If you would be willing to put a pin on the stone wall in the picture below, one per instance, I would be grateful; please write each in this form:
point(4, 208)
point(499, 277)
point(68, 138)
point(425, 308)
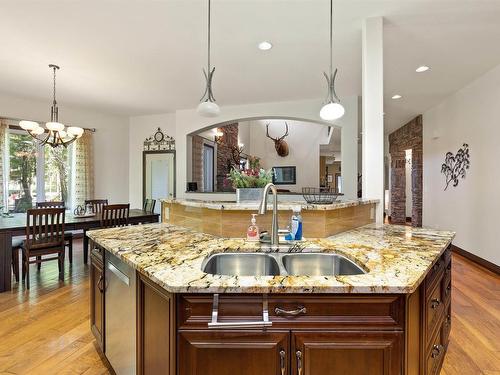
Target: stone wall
point(409, 136)
point(225, 155)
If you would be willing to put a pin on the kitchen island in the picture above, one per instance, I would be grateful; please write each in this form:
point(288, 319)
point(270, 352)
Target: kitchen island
point(392, 318)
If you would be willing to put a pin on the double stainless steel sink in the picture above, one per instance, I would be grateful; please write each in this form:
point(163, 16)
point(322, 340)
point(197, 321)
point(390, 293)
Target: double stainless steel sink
point(274, 264)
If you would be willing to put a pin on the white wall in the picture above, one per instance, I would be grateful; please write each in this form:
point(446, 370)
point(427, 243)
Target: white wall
point(303, 142)
point(471, 116)
point(111, 154)
point(140, 128)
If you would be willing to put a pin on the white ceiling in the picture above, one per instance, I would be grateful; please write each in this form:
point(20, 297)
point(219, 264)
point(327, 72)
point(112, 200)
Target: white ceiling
point(141, 57)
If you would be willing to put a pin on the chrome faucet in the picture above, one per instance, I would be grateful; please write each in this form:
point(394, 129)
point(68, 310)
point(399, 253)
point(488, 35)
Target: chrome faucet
point(263, 210)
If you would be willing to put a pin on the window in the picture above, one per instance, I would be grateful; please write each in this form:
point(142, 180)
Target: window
point(208, 168)
point(35, 172)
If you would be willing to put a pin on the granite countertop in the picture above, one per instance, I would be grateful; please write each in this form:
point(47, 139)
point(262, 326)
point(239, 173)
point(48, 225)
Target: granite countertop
point(396, 259)
point(283, 205)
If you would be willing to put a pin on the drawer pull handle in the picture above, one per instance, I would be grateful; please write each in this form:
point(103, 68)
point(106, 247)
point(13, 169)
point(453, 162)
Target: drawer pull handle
point(99, 284)
point(435, 302)
point(298, 354)
point(282, 361)
point(436, 351)
point(299, 310)
point(448, 289)
point(215, 324)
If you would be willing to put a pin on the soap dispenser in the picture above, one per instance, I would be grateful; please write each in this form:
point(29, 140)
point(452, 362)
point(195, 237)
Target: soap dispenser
point(253, 230)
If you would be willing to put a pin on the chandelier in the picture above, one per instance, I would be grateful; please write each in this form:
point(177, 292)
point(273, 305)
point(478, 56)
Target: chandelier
point(55, 133)
point(332, 110)
point(208, 107)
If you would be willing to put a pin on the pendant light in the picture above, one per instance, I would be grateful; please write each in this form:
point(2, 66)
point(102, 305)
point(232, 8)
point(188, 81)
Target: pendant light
point(332, 110)
point(55, 134)
point(208, 107)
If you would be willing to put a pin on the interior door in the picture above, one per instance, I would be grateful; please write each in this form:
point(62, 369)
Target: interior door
point(232, 352)
point(159, 178)
point(347, 353)
point(208, 168)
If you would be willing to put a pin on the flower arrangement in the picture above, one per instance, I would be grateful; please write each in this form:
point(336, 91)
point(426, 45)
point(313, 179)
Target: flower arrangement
point(253, 177)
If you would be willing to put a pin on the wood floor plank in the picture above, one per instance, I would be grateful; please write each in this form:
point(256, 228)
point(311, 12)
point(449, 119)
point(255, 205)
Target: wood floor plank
point(46, 330)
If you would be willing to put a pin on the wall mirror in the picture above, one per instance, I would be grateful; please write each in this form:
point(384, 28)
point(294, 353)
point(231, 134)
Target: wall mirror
point(158, 168)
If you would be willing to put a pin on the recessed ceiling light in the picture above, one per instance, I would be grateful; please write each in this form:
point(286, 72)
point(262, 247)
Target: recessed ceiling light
point(265, 45)
point(397, 96)
point(422, 69)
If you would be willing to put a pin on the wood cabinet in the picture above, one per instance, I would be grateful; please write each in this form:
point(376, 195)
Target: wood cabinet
point(97, 300)
point(225, 352)
point(349, 353)
point(155, 329)
point(308, 334)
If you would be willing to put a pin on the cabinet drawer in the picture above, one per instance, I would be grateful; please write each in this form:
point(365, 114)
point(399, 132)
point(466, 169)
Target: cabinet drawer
point(96, 253)
point(434, 307)
point(446, 291)
point(433, 276)
point(435, 353)
point(296, 311)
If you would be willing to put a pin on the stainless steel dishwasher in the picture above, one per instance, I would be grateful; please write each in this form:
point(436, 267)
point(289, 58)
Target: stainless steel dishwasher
point(120, 314)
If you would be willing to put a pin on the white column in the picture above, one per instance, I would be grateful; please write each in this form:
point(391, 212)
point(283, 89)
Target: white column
point(373, 107)
point(349, 148)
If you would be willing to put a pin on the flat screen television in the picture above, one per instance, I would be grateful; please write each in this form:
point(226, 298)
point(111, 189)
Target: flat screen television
point(284, 175)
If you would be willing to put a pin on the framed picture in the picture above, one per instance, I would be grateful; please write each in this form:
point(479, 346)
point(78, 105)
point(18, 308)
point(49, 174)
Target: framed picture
point(284, 175)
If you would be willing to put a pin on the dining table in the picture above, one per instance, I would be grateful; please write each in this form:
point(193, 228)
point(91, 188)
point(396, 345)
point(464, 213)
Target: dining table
point(15, 225)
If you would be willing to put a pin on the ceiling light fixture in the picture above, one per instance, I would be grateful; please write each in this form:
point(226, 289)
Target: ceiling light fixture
point(208, 107)
point(265, 45)
point(57, 134)
point(332, 110)
point(422, 69)
point(397, 96)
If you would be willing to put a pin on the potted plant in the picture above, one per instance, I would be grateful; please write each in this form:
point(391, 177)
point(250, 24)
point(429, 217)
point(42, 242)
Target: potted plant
point(249, 183)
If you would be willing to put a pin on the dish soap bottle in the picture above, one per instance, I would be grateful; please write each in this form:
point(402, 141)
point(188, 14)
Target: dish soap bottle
point(253, 230)
point(296, 227)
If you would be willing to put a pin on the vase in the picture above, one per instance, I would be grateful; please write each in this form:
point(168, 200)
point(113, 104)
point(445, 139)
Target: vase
point(245, 195)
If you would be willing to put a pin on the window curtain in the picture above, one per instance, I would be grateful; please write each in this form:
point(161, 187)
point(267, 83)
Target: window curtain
point(3, 154)
point(83, 169)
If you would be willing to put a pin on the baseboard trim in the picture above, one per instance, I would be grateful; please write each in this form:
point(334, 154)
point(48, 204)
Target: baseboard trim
point(474, 258)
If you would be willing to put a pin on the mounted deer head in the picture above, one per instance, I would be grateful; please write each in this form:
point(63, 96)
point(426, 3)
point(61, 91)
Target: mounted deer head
point(279, 144)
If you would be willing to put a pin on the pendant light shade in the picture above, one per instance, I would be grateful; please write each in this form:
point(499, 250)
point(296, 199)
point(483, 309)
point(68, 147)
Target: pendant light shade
point(208, 107)
point(332, 110)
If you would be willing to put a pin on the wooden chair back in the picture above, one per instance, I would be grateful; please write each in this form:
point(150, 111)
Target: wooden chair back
point(44, 227)
point(149, 205)
point(55, 204)
point(115, 215)
point(97, 204)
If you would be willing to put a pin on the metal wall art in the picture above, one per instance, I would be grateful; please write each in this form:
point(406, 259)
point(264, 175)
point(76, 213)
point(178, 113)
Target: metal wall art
point(159, 142)
point(455, 167)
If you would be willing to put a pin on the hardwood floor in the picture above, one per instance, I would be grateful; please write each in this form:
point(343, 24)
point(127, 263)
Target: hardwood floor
point(46, 330)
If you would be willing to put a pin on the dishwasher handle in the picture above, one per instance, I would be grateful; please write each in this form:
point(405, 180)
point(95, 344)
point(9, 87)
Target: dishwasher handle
point(123, 278)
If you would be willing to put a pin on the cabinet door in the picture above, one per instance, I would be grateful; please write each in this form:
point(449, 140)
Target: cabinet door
point(346, 353)
point(230, 352)
point(97, 301)
point(155, 329)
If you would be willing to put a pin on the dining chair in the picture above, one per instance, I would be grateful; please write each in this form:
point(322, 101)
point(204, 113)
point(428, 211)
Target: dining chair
point(44, 236)
point(115, 215)
point(68, 236)
point(149, 205)
point(97, 205)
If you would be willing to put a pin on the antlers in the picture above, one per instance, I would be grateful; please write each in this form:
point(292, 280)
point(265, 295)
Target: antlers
point(276, 139)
